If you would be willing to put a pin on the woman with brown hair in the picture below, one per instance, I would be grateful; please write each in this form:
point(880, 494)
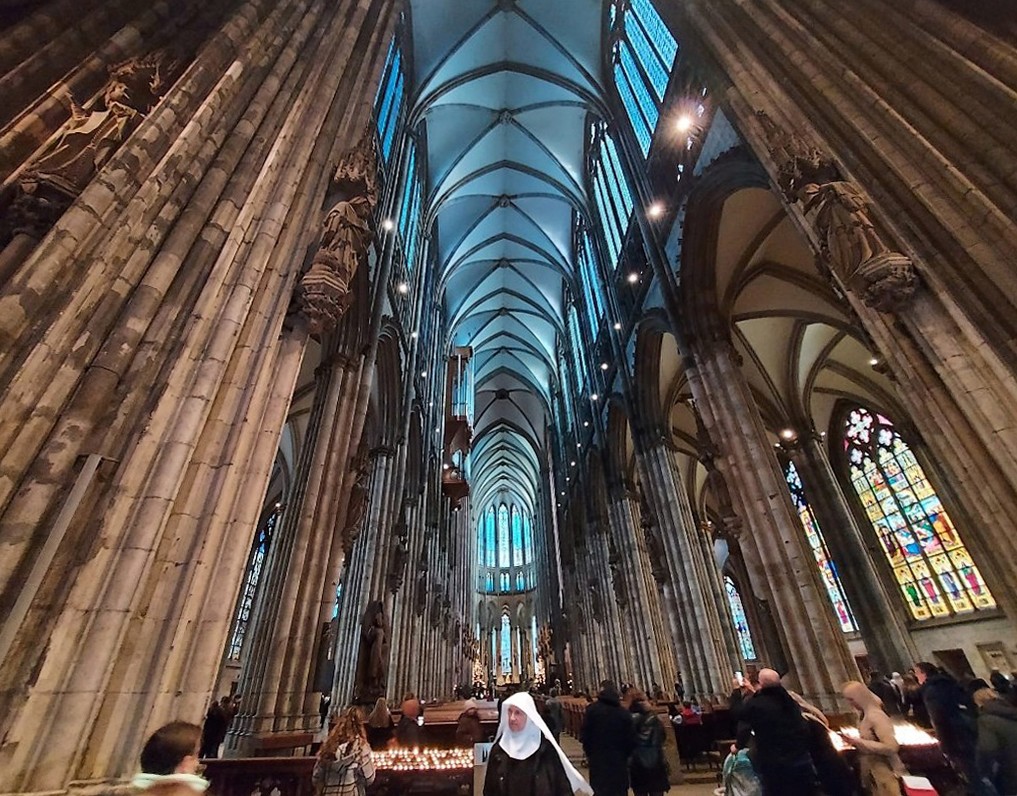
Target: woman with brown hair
point(344, 766)
point(380, 725)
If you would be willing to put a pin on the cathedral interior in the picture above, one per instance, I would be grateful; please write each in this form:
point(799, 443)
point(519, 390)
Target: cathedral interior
point(363, 347)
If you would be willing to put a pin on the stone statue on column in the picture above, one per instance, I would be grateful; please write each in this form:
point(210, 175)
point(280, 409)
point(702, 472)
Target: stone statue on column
point(654, 543)
point(86, 142)
point(372, 668)
point(840, 214)
point(397, 564)
point(347, 233)
point(715, 483)
point(621, 593)
point(596, 603)
point(356, 512)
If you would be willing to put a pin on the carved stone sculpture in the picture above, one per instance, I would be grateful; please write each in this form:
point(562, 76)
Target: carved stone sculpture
point(397, 564)
point(596, 603)
point(621, 592)
point(849, 244)
point(85, 144)
point(357, 511)
point(372, 668)
point(345, 238)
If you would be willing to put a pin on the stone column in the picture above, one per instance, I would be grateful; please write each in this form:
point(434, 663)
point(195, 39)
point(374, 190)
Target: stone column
point(876, 606)
point(702, 624)
point(779, 565)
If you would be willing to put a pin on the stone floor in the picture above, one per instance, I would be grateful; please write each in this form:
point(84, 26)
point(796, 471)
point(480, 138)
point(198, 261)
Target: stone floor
point(701, 782)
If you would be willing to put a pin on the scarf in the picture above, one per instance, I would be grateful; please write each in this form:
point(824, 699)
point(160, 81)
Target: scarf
point(145, 781)
point(520, 745)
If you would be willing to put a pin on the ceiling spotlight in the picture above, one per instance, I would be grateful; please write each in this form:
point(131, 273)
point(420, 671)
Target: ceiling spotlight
point(594, 397)
point(633, 277)
point(656, 210)
point(684, 123)
point(617, 326)
point(403, 288)
point(388, 225)
point(586, 424)
point(787, 433)
point(572, 463)
point(579, 444)
point(874, 361)
point(603, 366)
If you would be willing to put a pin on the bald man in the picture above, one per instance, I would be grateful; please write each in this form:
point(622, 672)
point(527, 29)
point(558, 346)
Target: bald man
point(781, 737)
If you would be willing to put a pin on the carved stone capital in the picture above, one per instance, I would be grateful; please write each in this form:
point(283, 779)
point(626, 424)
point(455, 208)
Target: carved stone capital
point(886, 282)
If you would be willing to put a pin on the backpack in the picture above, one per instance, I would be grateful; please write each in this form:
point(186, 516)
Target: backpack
point(739, 776)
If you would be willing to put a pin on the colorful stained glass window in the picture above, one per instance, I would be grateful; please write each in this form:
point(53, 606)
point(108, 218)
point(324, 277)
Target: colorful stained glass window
point(527, 540)
point(489, 582)
point(933, 568)
point(506, 644)
point(520, 582)
point(255, 564)
point(814, 536)
point(741, 624)
point(504, 560)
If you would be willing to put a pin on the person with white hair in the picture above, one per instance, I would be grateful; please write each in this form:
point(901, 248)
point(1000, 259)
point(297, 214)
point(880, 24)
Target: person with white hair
point(525, 760)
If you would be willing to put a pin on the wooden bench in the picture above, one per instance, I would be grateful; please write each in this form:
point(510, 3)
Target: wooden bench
point(272, 744)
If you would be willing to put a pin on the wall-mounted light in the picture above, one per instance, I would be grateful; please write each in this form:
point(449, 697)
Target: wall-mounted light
point(414, 335)
point(633, 277)
point(594, 397)
point(617, 326)
point(403, 288)
point(684, 123)
point(656, 210)
point(388, 225)
point(787, 434)
point(874, 361)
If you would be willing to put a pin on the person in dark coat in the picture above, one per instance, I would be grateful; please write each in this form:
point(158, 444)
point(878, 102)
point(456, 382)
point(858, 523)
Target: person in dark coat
point(608, 739)
point(773, 719)
point(554, 714)
point(525, 760)
point(996, 753)
point(408, 729)
point(213, 732)
point(954, 719)
point(887, 694)
point(647, 767)
point(469, 730)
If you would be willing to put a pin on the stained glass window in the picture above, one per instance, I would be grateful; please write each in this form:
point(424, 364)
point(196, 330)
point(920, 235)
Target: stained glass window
point(503, 536)
point(409, 209)
point(590, 280)
point(520, 582)
point(933, 568)
point(741, 624)
point(250, 588)
point(527, 540)
point(643, 59)
point(490, 545)
point(814, 536)
point(506, 645)
point(489, 582)
point(517, 538)
point(610, 192)
point(389, 101)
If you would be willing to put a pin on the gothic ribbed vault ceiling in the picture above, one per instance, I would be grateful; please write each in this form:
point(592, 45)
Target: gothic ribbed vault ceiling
point(502, 94)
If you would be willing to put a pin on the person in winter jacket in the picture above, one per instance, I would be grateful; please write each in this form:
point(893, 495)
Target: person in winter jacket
point(169, 762)
point(996, 753)
point(554, 714)
point(876, 743)
point(647, 767)
point(344, 766)
point(469, 730)
point(954, 720)
point(782, 757)
point(608, 739)
point(407, 731)
point(525, 760)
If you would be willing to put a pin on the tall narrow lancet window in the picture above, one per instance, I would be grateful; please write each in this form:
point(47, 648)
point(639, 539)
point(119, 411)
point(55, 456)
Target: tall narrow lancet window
point(517, 537)
point(814, 536)
point(933, 568)
point(389, 101)
point(255, 564)
point(527, 540)
point(504, 559)
point(610, 191)
point(410, 209)
point(592, 287)
point(741, 624)
point(490, 539)
point(644, 56)
point(506, 645)
point(578, 349)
